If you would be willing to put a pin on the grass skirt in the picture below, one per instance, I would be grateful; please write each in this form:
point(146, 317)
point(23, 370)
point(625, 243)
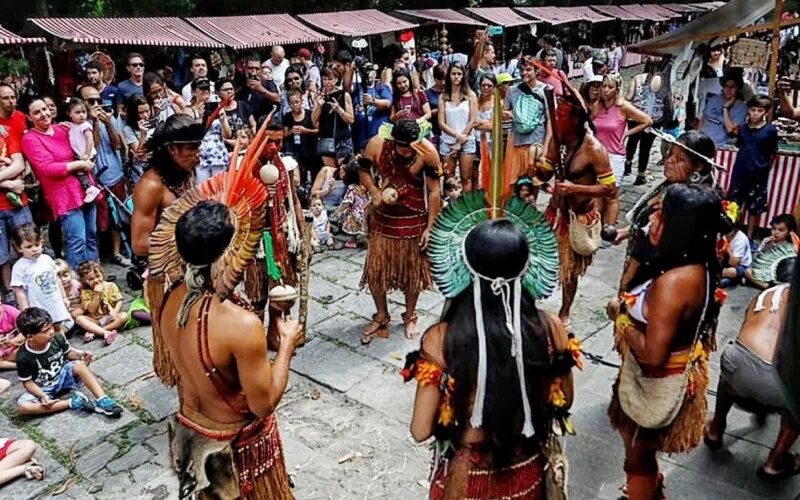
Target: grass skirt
point(685, 432)
point(396, 264)
point(572, 265)
point(460, 478)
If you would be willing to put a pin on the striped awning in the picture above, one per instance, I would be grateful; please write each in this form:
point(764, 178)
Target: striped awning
point(550, 15)
point(151, 31)
point(646, 12)
point(663, 11)
point(9, 38)
point(587, 14)
point(682, 8)
point(501, 16)
point(249, 32)
point(707, 6)
point(616, 12)
point(356, 22)
point(442, 16)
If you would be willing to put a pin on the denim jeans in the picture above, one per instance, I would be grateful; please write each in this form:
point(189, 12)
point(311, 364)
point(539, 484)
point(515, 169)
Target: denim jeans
point(79, 227)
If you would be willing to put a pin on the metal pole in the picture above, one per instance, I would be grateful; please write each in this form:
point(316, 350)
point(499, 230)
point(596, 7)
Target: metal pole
point(776, 45)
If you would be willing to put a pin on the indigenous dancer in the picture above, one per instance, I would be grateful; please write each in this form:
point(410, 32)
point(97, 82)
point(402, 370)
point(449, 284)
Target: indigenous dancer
point(492, 381)
point(689, 161)
point(749, 377)
point(408, 167)
point(586, 175)
point(224, 442)
point(664, 332)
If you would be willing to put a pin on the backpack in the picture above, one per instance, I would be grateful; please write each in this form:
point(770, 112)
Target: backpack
point(528, 111)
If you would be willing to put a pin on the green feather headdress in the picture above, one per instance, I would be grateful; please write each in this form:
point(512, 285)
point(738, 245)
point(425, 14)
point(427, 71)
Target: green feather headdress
point(765, 265)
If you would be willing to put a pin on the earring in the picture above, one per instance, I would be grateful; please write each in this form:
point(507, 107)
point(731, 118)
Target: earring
point(695, 177)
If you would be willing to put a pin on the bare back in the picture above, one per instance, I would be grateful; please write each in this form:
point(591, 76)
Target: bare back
point(761, 330)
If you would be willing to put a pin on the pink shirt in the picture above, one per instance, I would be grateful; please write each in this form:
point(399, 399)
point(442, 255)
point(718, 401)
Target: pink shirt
point(9, 321)
point(611, 128)
point(558, 86)
point(48, 156)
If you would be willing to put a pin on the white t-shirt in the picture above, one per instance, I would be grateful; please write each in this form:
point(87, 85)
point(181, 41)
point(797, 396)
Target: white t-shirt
point(39, 279)
point(740, 248)
point(77, 139)
point(186, 93)
point(588, 71)
point(321, 226)
point(278, 71)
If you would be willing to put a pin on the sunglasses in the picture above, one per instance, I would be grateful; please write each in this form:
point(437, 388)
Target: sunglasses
point(94, 100)
point(136, 65)
point(487, 85)
point(295, 79)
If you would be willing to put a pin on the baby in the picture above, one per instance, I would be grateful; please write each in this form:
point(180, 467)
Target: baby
point(101, 302)
point(322, 226)
point(81, 138)
point(72, 288)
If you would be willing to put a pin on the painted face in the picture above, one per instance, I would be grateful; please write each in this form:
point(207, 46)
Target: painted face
point(186, 156)
point(403, 150)
point(31, 249)
point(678, 165)
point(756, 115)
point(780, 232)
point(568, 117)
point(78, 114)
point(403, 85)
point(39, 115)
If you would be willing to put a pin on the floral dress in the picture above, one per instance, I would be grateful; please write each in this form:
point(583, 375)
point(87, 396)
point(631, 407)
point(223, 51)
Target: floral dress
point(212, 150)
point(351, 215)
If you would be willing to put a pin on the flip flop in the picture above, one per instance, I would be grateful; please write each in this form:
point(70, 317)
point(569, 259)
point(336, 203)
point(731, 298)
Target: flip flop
point(792, 462)
point(31, 467)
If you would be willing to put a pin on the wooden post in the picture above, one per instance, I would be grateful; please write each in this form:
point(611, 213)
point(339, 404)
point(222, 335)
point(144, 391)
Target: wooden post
point(776, 45)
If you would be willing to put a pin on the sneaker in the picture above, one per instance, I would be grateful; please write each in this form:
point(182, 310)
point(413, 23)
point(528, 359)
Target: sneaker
point(641, 180)
point(92, 192)
point(121, 260)
point(111, 337)
point(79, 402)
point(108, 407)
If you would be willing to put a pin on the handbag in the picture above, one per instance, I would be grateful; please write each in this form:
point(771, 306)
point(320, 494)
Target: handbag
point(327, 146)
point(652, 402)
point(556, 473)
point(584, 238)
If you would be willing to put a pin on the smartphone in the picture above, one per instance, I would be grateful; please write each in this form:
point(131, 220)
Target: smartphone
point(152, 123)
point(211, 107)
point(107, 108)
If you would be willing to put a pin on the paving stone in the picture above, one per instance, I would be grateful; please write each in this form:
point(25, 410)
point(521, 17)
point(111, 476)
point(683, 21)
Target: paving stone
point(143, 334)
point(82, 429)
point(135, 457)
point(146, 473)
point(332, 365)
point(22, 489)
point(125, 365)
point(427, 301)
point(117, 486)
point(157, 400)
point(386, 393)
point(160, 444)
point(95, 459)
point(99, 350)
point(334, 268)
point(144, 432)
point(352, 281)
point(318, 312)
point(78, 492)
point(326, 292)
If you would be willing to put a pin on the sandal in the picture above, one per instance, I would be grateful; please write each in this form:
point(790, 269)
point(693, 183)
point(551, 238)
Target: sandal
point(792, 468)
point(351, 245)
point(34, 470)
point(713, 444)
point(378, 326)
point(412, 332)
point(88, 337)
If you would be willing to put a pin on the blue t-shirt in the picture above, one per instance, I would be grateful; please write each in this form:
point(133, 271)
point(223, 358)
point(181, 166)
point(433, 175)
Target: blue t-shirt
point(108, 163)
point(126, 89)
point(375, 117)
point(714, 119)
point(757, 147)
point(109, 95)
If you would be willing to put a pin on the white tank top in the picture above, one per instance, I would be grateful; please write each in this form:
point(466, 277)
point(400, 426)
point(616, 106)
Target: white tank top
point(457, 116)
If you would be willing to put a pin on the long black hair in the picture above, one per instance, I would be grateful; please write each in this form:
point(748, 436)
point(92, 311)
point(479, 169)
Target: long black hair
point(497, 249)
point(178, 128)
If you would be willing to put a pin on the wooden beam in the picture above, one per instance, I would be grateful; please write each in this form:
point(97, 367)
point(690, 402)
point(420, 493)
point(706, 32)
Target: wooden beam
point(776, 46)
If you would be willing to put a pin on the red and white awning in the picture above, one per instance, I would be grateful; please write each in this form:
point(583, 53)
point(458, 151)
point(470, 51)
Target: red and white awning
point(9, 38)
point(501, 16)
point(682, 8)
point(442, 16)
point(151, 31)
point(646, 12)
point(617, 12)
point(249, 32)
point(356, 23)
point(551, 15)
point(586, 14)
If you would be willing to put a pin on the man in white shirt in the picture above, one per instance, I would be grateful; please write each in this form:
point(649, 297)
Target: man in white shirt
point(199, 70)
point(278, 64)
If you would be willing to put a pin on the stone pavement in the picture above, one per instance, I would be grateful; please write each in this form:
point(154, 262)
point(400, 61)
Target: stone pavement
point(344, 420)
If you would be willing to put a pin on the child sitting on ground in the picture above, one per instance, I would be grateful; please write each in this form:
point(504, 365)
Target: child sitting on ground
point(784, 231)
point(34, 277)
point(739, 257)
point(523, 189)
point(351, 216)
point(322, 226)
point(66, 370)
point(101, 302)
point(81, 138)
point(72, 288)
point(452, 190)
point(10, 338)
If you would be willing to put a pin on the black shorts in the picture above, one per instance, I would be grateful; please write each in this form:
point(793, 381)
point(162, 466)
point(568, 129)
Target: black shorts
point(752, 196)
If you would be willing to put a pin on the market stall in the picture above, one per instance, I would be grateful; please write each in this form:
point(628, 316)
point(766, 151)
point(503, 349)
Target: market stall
point(250, 32)
point(356, 23)
point(9, 38)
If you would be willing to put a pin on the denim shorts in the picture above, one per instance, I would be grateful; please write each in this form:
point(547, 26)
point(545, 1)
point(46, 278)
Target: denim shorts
point(65, 382)
point(10, 220)
point(468, 148)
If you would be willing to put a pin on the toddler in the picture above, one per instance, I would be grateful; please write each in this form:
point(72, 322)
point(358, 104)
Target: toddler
point(523, 189)
point(10, 338)
point(452, 189)
point(72, 289)
point(322, 226)
point(101, 302)
point(784, 230)
point(739, 258)
point(34, 277)
point(49, 367)
point(81, 138)
point(351, 216)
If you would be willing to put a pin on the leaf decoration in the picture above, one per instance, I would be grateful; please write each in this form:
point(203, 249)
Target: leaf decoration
point(765, 264)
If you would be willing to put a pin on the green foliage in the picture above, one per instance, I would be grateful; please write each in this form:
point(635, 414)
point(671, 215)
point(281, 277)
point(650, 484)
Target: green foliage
point(13, 66)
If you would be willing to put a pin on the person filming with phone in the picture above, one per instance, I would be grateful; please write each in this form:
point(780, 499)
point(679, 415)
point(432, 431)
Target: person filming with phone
point(213, 154)
point(139, 127)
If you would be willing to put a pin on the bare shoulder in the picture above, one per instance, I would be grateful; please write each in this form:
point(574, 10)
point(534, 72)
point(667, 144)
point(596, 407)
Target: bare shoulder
point(432, 345)
point(247, 326)
point(149, 184)
point(681, 284)
point(373, 149)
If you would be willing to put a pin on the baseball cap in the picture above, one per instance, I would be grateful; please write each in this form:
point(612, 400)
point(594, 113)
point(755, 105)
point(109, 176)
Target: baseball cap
point(201, 83)
point(504, 78)
point(600, 58)
point(595, 79)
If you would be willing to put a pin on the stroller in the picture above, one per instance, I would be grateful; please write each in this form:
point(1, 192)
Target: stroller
point(121, 213)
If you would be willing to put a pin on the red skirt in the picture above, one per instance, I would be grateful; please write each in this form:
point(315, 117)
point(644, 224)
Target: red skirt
point(465, 477)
